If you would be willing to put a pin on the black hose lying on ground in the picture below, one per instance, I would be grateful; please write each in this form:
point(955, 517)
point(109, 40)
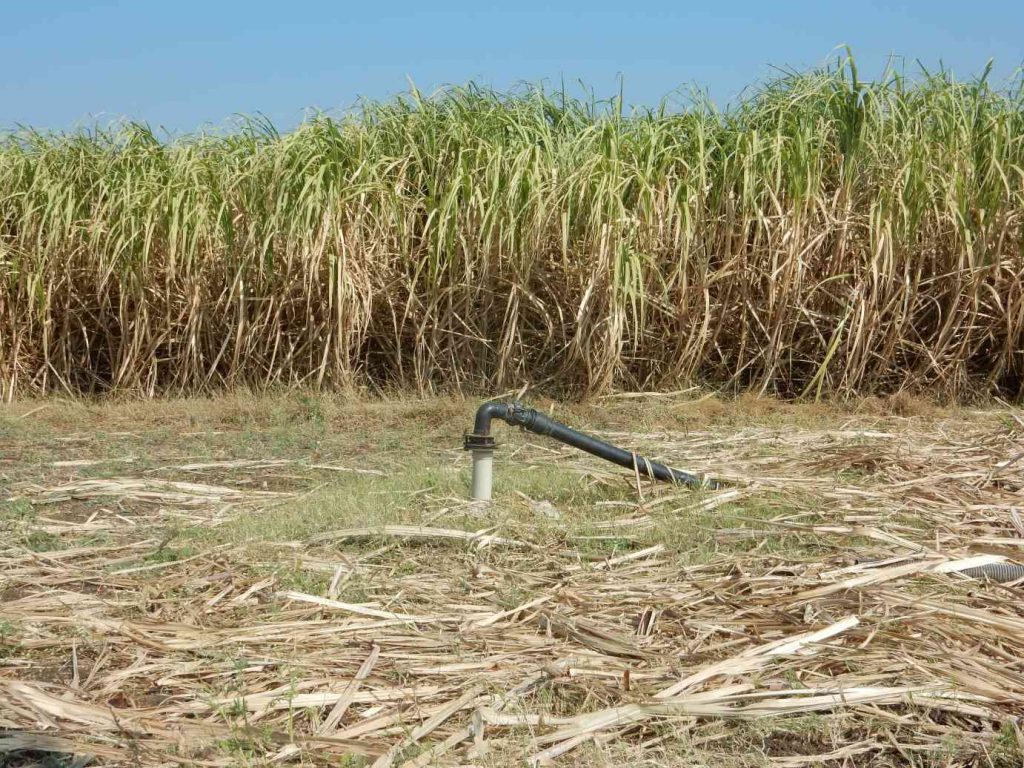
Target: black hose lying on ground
point(528, 418)
point(1002, 573)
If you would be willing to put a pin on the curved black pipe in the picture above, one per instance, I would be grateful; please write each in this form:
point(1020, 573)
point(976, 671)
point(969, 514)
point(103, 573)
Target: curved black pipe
point(538, 423)
point(484, 414)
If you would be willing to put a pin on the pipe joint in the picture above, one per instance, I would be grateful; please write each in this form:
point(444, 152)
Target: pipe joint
point(527, 418)
point(485, 413)
point(474, 442)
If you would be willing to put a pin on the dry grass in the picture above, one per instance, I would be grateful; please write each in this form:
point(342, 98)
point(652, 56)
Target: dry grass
point(828, 235)
point(220, 608)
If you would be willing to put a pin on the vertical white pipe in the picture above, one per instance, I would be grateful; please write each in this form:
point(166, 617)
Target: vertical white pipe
point(483, 460)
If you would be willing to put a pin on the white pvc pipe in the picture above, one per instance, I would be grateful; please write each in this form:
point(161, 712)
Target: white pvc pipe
point(483, 461)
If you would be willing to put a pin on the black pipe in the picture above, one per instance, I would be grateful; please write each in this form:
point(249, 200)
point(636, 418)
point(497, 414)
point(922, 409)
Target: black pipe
point(528, 418)
point(488, 411)
point(1001, 573)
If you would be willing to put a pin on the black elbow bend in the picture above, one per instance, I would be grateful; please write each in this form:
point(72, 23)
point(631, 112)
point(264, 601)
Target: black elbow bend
point(484, 414)
point(481, 438)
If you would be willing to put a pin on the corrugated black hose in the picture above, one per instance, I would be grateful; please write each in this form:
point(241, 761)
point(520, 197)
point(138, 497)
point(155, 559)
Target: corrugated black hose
point(1001, 573)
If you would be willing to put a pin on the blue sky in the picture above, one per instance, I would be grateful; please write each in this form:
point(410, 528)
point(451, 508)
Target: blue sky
point(184, 64)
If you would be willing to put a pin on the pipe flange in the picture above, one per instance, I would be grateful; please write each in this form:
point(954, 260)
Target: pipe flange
point(474, 442)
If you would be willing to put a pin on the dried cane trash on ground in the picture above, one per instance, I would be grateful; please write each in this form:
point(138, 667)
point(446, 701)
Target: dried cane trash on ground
point(824, 619)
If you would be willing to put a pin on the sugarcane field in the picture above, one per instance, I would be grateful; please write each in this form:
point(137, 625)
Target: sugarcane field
point(494, 427)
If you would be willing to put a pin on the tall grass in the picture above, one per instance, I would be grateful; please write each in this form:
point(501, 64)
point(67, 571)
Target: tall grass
point(826, 236)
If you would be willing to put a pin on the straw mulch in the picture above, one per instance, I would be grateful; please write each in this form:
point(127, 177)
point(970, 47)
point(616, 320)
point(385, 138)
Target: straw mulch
point(844, 598)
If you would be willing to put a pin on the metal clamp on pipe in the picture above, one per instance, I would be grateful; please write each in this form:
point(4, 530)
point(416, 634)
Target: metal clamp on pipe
point(481, 443)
